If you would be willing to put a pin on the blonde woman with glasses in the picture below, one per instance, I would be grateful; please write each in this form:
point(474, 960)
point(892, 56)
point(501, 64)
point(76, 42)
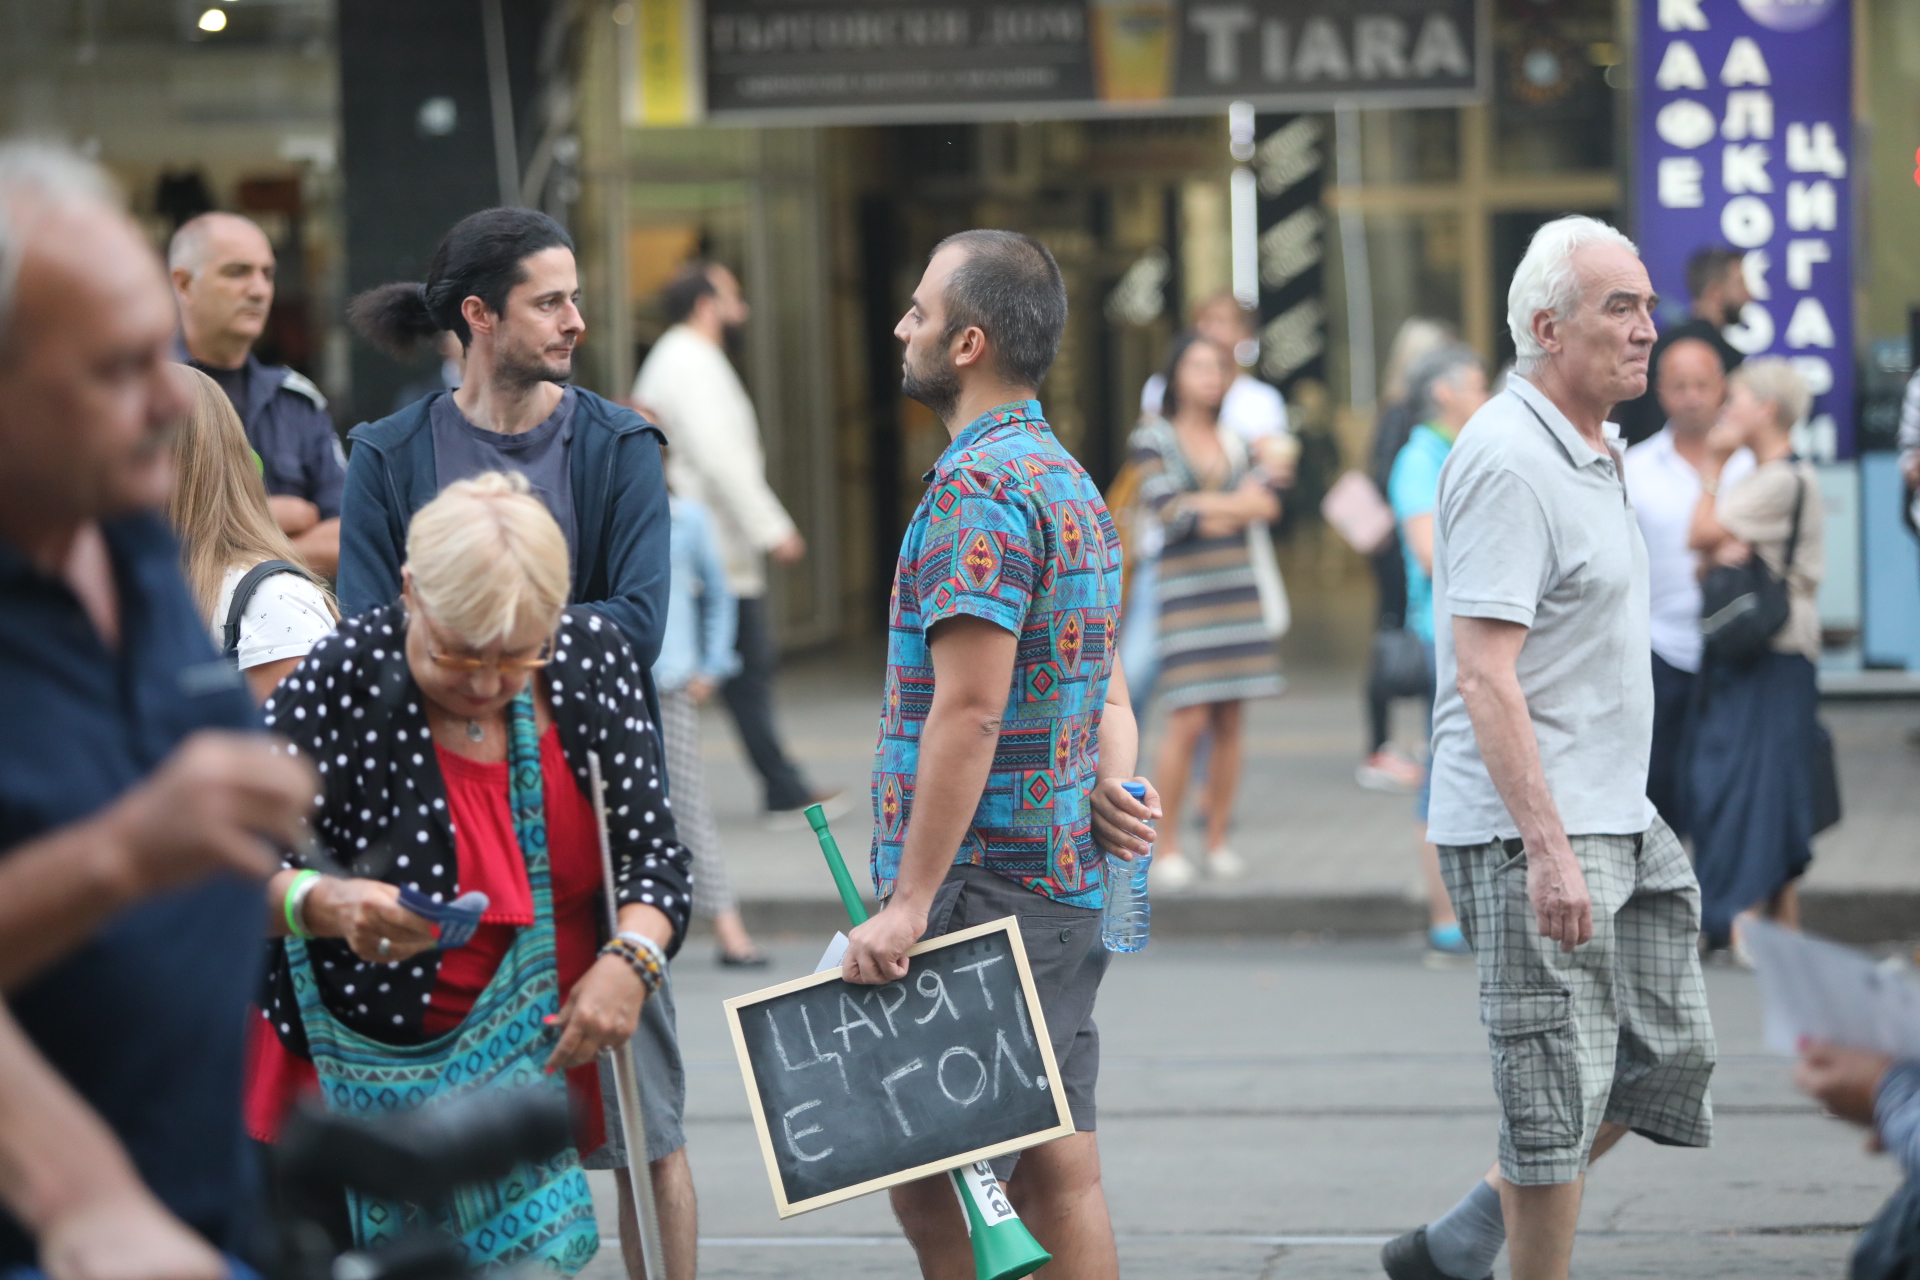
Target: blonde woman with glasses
point(452, 732)
point(233, 551)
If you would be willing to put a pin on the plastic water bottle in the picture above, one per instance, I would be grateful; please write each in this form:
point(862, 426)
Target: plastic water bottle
point(1128, 915)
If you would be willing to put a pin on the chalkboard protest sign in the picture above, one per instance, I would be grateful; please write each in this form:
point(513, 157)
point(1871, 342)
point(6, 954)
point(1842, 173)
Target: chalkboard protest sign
point(856, 1088)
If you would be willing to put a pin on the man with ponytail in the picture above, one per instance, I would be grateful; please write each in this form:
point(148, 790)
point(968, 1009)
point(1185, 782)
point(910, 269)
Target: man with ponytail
point(503, 282)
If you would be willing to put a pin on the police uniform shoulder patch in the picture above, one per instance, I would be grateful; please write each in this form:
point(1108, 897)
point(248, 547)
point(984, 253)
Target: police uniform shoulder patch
point(299, 384)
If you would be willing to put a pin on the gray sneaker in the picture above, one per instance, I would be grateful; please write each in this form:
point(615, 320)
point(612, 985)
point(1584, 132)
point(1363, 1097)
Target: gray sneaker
point(1406, 1258)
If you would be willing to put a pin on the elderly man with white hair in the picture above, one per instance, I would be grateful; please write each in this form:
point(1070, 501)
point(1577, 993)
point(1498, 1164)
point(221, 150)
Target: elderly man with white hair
point(1577, 899)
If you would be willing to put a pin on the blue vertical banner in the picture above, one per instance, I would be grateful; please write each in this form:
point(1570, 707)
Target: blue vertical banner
point(1745, 140)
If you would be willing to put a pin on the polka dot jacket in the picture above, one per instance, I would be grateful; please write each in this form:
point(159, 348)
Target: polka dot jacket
point(352, 707)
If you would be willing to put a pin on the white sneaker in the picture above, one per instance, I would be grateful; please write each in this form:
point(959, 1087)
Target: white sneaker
point(1225, 864)
point(1170, 871)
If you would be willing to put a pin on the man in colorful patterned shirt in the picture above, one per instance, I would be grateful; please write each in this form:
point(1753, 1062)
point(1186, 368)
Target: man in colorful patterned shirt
point(1007, 732)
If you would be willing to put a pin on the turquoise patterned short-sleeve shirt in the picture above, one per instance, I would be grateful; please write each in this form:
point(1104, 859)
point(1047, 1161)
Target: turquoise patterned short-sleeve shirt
point(1011, 530)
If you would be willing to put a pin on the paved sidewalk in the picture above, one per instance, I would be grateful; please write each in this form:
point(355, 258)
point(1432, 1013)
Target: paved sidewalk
point(1272, 1111)
point(1321, 853)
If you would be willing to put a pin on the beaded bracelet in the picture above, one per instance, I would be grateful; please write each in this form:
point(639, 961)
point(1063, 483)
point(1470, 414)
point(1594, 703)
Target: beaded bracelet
point(643, 954)
point(647, 945)
point(294, 904)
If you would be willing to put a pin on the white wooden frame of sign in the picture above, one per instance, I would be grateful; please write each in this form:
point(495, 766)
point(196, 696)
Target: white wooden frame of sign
point(1008, 925)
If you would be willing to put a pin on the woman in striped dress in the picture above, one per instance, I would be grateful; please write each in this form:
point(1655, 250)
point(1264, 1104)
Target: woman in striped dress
point(1216, 645)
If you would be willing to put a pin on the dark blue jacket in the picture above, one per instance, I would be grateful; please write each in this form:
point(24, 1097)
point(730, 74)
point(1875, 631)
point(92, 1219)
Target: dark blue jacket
point(289, 428)
point(622, 555)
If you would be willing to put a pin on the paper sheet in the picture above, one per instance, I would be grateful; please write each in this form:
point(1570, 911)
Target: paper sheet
point(1823, 991)
point(835, 952)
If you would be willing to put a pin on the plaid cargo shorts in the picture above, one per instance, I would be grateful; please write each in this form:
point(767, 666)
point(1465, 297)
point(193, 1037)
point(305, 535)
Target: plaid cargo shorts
point(1618, 1030)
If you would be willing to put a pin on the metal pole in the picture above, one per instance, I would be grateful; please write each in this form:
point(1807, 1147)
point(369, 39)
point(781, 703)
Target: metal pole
point(626, 1080)
point(1244, 207)
point(1361, 391)
point(506, 147)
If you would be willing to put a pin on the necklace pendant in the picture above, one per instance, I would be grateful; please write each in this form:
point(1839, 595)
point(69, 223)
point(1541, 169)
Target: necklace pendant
point(476, 732)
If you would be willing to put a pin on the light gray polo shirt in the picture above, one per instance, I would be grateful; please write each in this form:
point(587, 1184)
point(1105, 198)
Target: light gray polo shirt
point(1532, 526)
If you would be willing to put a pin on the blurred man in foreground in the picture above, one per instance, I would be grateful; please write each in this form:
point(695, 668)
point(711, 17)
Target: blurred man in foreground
point(132, 807)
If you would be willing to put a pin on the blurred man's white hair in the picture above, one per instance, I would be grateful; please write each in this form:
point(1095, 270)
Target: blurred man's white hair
point(45, 174)
point(1546, 281)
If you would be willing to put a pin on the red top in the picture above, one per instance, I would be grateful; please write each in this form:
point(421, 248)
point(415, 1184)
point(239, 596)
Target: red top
point(490, 861)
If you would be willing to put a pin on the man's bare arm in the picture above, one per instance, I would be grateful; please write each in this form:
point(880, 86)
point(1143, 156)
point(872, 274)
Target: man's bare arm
point(64, 1176)
point(1419, 539)
point(294, 515)
point(972, 675)
point(210, 807)
point(1119, 821)
point(319, 547)
point(1487, 651)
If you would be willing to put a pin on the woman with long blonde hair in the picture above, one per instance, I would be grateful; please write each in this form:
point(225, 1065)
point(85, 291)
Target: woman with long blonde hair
point(219, 510)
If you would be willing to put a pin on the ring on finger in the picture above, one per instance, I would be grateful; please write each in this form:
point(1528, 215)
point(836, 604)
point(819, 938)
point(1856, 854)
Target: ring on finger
point(386, 948)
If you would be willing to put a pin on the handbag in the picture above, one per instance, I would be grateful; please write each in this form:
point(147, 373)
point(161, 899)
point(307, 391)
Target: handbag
point(1826, 780)
point(1743, 606)
point(1357, 512)
point(1276, 612)
point(540, 1214)
point(1400, 664)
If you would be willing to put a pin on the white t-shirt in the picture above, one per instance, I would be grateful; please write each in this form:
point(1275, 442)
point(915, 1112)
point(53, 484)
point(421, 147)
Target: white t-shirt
point(1254, 409)
point(286, 616)
point(1664, 489)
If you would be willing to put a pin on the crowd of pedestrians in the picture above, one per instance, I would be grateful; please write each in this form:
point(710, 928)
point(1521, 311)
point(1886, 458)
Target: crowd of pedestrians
point(690, 388)
point(1212, 503)
point(534, 590)
point(1393, 671)
point(1209, 461)
point(1447, 386)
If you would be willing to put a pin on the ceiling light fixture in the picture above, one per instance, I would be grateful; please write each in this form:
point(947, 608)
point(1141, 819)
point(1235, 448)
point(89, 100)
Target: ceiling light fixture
point(213, 20)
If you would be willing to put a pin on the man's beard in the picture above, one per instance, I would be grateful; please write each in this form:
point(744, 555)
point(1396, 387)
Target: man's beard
point(937, 387)
point(527, 369)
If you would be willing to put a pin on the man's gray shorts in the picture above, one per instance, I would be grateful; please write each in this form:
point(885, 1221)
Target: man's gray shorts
point(1064, 952)
point(1618, 1030)
point(663, 1086)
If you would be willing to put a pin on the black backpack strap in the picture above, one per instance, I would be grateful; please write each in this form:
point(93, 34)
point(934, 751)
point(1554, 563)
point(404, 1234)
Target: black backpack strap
point(243, 596)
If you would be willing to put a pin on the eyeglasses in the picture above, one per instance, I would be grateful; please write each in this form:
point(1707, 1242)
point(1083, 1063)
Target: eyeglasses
point(464, 662)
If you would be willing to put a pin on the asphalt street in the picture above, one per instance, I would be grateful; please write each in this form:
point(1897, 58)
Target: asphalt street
point(1273, 1111)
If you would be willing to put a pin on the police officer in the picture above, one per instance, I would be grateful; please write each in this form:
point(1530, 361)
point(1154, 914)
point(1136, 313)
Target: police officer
point(222, 268)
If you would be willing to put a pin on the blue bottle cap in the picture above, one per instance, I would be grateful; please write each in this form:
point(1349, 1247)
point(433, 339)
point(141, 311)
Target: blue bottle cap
point(1138, 790)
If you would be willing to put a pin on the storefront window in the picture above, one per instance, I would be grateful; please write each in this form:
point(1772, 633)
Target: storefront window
point(1415, 264)
point(1552, 102)
point(1410, 146)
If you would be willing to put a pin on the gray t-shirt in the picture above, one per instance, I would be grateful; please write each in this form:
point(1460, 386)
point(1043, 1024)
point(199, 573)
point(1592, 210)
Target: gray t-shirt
point(543, 454)
point(1533, 526)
